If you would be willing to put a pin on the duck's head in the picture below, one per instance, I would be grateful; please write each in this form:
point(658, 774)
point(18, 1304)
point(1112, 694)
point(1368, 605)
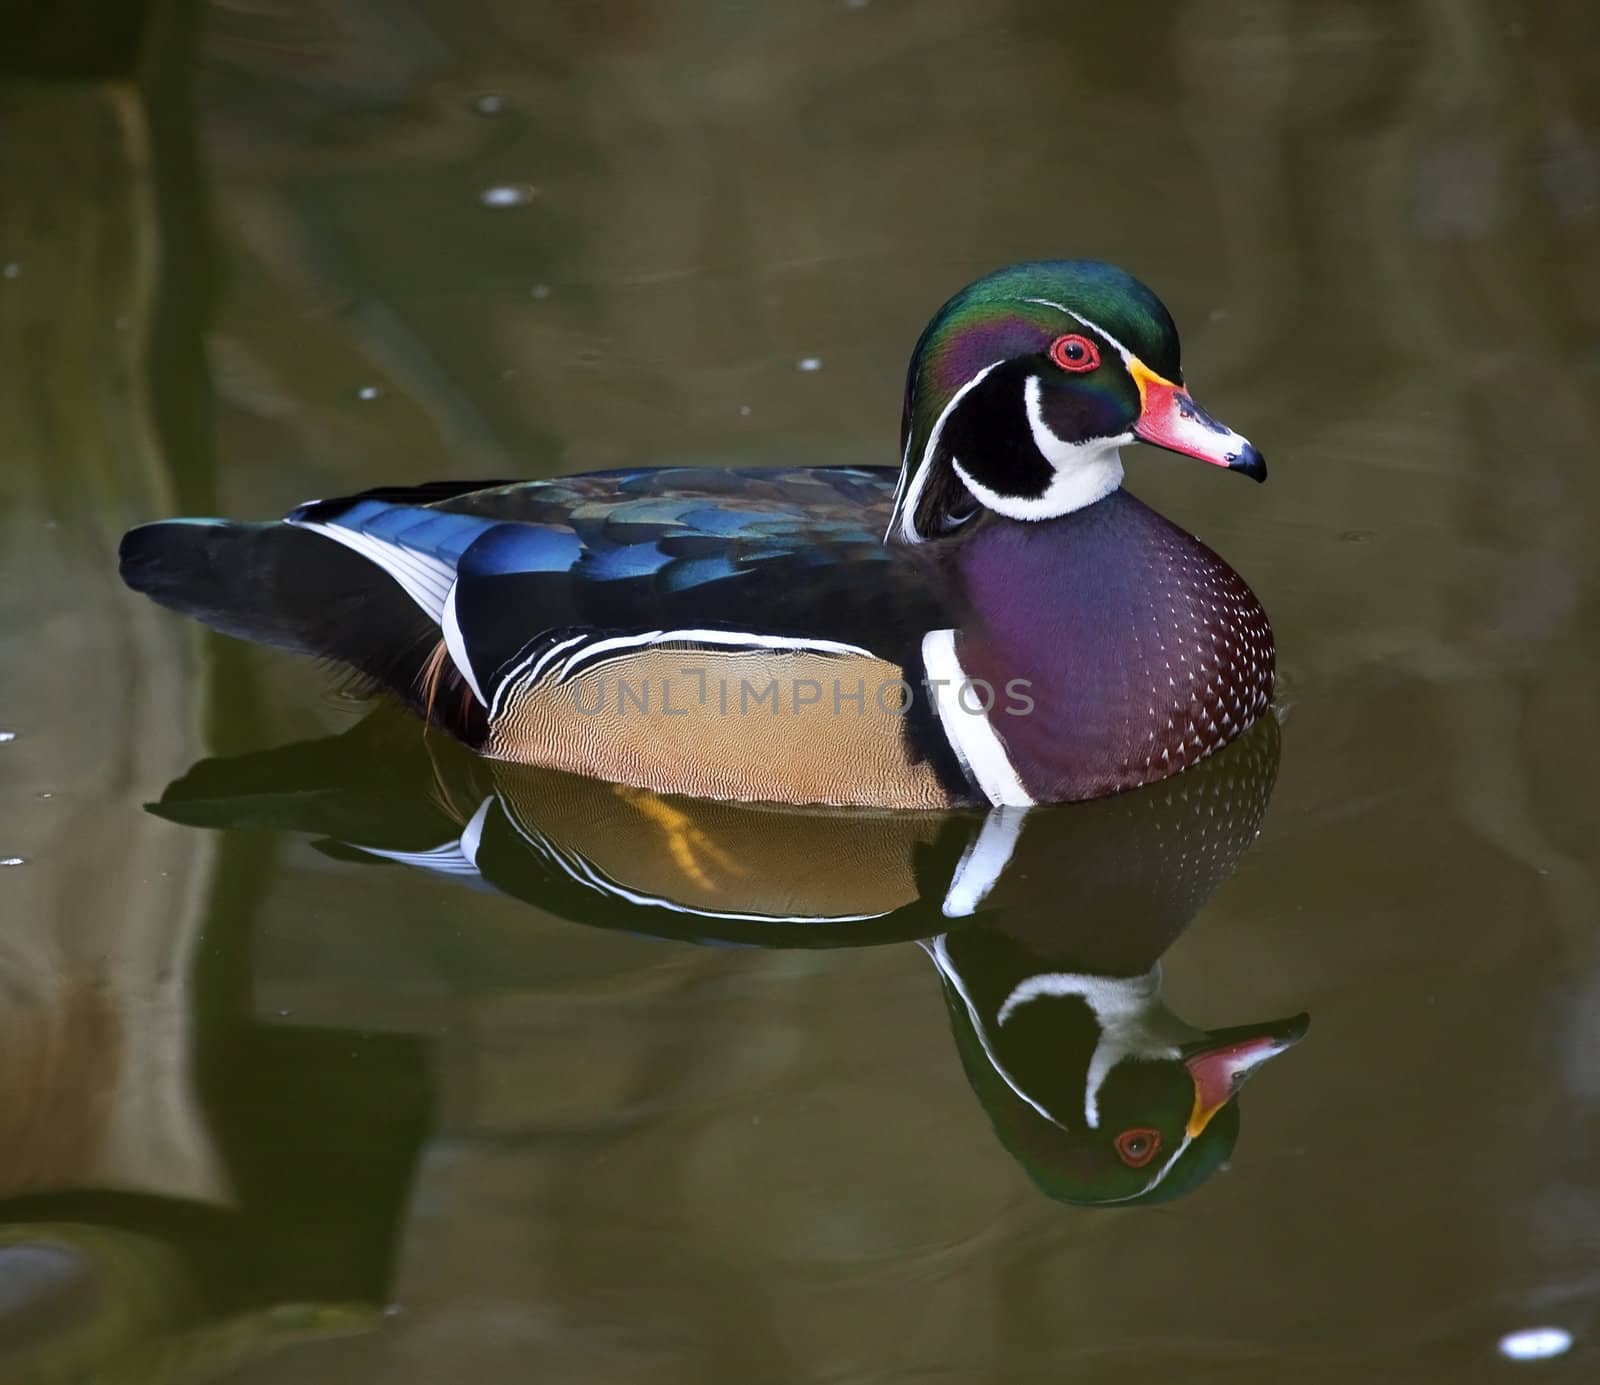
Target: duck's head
point(1025, 385)
point(1104, 1095)
point(1165, 1125)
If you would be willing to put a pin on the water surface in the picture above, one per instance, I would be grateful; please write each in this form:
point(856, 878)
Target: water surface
point(274, 1110)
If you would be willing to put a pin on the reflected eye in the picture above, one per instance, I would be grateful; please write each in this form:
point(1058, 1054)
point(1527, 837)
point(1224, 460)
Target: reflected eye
point(1138, 1147)
point(1075, 353)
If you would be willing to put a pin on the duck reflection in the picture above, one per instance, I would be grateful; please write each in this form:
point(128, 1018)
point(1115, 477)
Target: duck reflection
point(1045, 925)
point(1100, 1091)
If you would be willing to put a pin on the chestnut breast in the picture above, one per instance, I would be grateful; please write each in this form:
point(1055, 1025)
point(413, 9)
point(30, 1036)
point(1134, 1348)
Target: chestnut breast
point(1142, 651)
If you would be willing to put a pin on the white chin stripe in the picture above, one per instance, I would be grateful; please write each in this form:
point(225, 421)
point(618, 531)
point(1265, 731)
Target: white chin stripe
point(976, 743)
point(1127, 1011)
point(1083, 472)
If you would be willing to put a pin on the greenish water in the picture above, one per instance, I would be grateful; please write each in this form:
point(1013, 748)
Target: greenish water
point(275, 1107)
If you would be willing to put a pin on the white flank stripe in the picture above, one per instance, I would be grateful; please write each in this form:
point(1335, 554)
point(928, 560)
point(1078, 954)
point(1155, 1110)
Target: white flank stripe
point(584, 873)
point(549, 654)
point(472, 833)
point(723, 638)
point(426, 580)
point(986, 857)
point(538, 662)
point(457, 646)
point(973, 739)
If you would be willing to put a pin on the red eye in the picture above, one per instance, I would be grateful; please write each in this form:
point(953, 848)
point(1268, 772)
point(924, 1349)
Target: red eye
point(1138, 1147)
point(1075, 353)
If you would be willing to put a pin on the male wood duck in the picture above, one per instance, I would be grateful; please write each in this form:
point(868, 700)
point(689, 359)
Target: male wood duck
point(1101, 1092)
point(998, 623)
point(1045, 927)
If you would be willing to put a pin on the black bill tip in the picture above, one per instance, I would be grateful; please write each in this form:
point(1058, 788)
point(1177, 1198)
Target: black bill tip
point(1248, 460)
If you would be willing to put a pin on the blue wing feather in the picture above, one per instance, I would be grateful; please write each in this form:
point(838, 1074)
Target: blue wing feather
point(503, 549)
point(793, 552)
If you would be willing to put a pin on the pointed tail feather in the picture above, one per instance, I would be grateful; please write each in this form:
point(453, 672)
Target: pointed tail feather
point(287, 587)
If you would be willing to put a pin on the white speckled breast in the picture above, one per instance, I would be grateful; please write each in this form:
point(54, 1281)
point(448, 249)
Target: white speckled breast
point(1142, 650)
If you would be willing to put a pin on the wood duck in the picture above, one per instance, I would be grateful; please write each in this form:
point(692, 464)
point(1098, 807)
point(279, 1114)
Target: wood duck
point(1046, 927)
point(997, 623)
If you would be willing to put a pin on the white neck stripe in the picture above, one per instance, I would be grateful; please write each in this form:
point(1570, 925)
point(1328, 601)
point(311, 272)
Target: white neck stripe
point(905, 511)
point(1082, 472)
point(1127, 1011)
point(1085, 472)
point(940, 954)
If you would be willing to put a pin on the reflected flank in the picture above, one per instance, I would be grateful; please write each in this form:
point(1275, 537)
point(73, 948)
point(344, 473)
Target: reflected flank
point(1045, 926)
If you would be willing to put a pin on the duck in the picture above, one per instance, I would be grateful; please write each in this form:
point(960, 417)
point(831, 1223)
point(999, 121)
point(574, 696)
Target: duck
point(1045, 928)
point(1100, 1091)
point(997, 621)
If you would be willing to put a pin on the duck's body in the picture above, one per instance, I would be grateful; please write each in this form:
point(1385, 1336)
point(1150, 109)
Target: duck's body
point(996, 622)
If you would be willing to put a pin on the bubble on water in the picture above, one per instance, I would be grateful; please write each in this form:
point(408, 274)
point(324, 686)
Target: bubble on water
point(508, 195)
point(809, 363)
point(391, 1310)
point(12, 861)
point(541, 291)
point(370, 392)
point(12, 270)
point(47, 794)
point(1535, 1343)
point(490, 103)
point(744, 411)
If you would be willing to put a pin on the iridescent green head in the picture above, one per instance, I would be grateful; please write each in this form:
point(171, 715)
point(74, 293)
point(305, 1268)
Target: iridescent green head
point(1025, 385)
point(1090, 1086)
